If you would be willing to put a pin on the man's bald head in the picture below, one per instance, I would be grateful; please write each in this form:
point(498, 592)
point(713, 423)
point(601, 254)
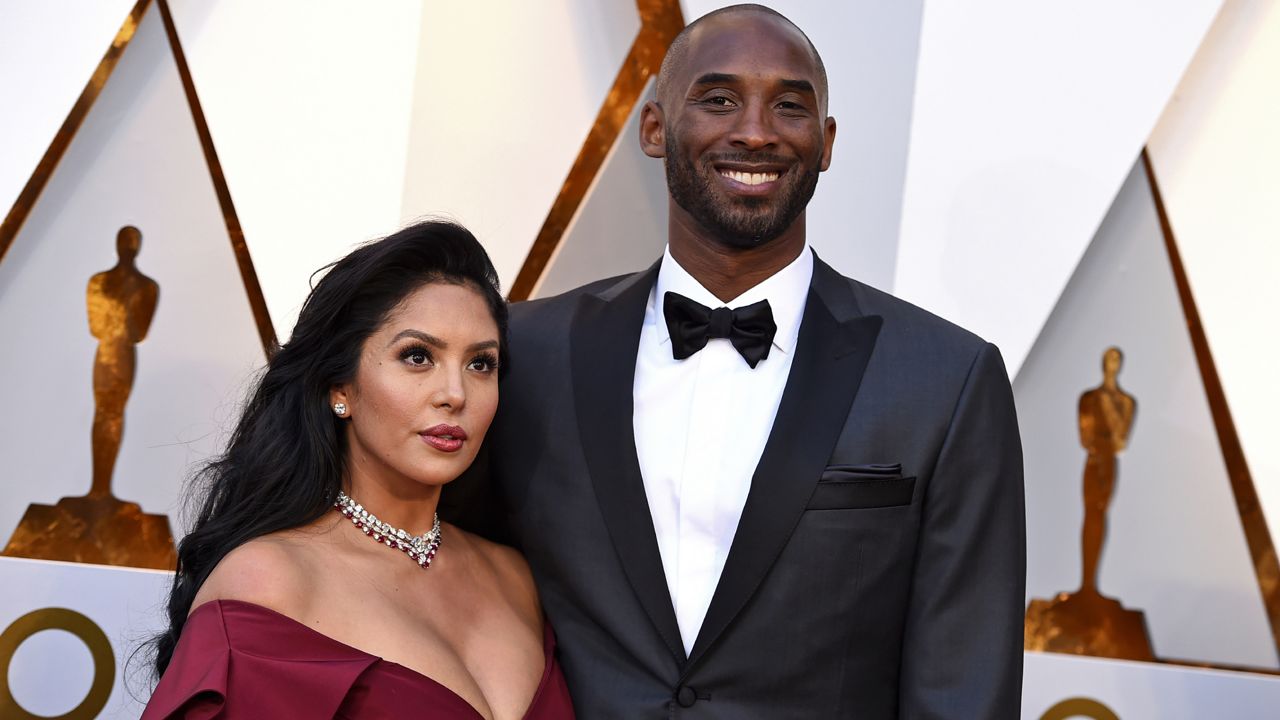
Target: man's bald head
point(678, 52)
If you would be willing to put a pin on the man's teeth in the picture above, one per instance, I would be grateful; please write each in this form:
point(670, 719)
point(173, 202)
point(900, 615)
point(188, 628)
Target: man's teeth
point(750, 178)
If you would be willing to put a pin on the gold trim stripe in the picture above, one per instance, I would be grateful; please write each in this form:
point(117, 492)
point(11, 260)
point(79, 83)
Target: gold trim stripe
point(249, 276)
point(660, 22)
point(1199, 665)
point(1257, 535)
point(17, 214)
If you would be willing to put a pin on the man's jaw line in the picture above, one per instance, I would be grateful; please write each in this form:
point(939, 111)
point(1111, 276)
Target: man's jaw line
point(724, 269)
point(683, 224)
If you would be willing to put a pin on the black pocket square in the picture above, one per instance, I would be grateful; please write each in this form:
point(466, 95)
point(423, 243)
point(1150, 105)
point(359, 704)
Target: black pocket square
point(848, 487)
point(873, 471)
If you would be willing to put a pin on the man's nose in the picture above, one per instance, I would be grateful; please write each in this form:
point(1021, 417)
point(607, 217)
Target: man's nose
point(754, 128)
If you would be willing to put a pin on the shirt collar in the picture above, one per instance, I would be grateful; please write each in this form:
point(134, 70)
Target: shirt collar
point(786, 290)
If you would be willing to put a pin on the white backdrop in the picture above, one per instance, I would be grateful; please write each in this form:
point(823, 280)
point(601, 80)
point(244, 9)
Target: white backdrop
point(44, 84)
point(1216, 154)
point(1027, 119)
point(309, 105)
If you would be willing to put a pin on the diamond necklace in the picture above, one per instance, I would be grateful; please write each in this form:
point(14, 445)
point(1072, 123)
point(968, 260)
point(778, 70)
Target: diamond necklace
point(420, 548)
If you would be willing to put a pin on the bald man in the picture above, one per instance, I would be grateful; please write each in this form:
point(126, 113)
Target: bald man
point(750, 487)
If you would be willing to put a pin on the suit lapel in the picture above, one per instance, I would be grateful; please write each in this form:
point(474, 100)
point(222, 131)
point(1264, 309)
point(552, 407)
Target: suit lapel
point(604, 340)
point(832, 351)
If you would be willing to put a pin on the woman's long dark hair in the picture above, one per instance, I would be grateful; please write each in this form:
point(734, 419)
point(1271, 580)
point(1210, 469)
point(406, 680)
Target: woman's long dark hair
point(284, 463)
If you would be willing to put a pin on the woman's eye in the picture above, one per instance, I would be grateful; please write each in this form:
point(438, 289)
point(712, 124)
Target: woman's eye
point(416, 356)
point(483, 364)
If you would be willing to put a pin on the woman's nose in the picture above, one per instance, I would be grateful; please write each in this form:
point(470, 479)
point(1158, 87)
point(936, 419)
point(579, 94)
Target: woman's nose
point(449, 393)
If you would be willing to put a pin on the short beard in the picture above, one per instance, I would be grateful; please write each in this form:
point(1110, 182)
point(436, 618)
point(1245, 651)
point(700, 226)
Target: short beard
point(744, 223)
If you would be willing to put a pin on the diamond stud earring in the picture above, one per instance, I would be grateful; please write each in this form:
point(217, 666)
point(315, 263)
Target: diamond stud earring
point(340, 409)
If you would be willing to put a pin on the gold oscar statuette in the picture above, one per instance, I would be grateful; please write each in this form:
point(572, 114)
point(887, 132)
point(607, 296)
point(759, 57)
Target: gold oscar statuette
point(98, 527)
point(1086, 622)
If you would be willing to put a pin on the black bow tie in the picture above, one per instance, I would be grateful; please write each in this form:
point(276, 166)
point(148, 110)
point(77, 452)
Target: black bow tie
point(691, 325)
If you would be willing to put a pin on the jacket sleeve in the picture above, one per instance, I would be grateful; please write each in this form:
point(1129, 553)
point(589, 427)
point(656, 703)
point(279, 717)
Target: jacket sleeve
point(962, 650)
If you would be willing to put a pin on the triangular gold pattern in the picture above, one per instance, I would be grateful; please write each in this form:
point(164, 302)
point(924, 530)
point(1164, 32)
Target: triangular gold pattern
point(30, 194)
point(1258, 536)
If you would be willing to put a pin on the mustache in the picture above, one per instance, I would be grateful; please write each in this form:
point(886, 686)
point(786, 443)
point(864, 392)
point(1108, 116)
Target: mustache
point(746, 157)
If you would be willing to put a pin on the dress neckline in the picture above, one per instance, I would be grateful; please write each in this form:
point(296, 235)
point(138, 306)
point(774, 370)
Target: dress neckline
point(548, 648)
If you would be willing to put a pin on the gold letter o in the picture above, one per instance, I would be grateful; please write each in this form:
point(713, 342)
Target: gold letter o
point(104, 663)
point(1079, 707)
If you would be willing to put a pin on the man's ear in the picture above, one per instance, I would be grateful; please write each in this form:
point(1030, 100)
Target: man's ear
point(652, 130)
point(828, 141)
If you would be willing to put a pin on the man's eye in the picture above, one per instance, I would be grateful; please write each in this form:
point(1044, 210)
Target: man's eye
point(719, 100)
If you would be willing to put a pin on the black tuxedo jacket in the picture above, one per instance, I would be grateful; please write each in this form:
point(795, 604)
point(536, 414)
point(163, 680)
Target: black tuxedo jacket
point(878, 567)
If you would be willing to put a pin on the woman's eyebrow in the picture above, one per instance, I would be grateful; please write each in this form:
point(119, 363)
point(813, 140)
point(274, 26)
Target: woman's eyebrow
point(431, 340)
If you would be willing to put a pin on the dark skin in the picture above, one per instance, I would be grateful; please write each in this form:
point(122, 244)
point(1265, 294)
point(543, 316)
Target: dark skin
point(745, 99)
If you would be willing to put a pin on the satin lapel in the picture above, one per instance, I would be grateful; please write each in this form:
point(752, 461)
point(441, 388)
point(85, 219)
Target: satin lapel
point(832, 351)
point(603, 344)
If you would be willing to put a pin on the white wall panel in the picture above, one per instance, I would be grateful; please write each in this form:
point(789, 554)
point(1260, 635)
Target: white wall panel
point(52, 671)
point(502, 103)
point(870, 52)
point(1216, 154)
point(136, 161)
point(38, 87)
point(1027, 118)
point(1175, 547)
point(1145, 691)
point(308, 102)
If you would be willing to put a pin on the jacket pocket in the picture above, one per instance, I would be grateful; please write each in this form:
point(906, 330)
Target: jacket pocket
point(843, 490)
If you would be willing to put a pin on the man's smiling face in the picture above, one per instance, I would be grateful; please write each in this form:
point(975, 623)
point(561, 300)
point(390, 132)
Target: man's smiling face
point(745, 132)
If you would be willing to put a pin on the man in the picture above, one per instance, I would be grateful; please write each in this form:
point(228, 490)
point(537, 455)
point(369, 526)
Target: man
point(806, 505)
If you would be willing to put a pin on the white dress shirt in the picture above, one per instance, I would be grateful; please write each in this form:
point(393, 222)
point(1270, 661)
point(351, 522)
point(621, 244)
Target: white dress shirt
point(701, 425)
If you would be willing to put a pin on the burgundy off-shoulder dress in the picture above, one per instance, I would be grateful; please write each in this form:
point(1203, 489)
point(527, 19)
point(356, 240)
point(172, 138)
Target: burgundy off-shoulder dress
point(240, 660)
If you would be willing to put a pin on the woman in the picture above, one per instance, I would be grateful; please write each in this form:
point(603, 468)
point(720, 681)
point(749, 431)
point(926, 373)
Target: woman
point(317, 581)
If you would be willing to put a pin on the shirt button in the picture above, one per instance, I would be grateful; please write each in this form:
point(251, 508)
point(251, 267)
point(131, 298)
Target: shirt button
point(686, 696)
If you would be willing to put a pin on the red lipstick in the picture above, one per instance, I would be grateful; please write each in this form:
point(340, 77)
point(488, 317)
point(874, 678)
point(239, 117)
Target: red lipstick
point(445, 438)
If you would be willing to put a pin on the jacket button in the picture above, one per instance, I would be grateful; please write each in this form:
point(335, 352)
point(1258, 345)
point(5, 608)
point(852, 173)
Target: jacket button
point(686, 696)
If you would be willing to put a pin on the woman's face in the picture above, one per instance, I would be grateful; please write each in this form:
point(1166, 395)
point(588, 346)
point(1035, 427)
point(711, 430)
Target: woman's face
point(425, 390)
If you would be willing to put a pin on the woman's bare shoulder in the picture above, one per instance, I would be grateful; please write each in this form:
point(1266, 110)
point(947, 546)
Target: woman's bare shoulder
point(271, 571)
